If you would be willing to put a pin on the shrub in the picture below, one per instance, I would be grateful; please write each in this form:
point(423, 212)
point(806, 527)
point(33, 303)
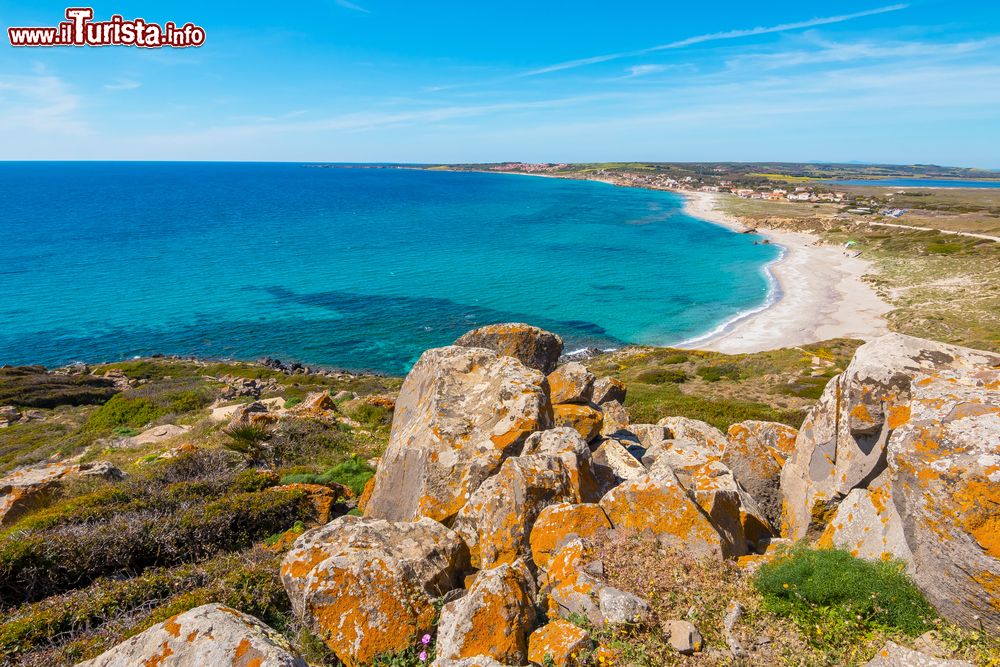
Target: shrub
point(662, 376)
point(122, 412)
point(353, 473)
point(251, 441)
point(832, 595)
point(33, 387)
point(372, 416)
point(255, 480)
point(716, 372)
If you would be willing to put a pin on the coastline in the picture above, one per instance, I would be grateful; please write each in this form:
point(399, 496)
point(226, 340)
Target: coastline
point(817, 293)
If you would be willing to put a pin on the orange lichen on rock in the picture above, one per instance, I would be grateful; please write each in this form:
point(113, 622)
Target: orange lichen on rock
point(559, 643)
point(561, 523)
point(587, 421)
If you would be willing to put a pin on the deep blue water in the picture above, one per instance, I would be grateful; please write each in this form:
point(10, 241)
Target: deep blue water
point(348, 268)
point(920, 182)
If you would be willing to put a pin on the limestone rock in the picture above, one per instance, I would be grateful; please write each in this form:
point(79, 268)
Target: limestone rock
point(570, 587)
point(533, 347)
point(102, 470)
point(256, 413)
point(567, 445)
point(656, 502)
point(613, 464)
point(30, 488)
point(842, 443)
point(586, 420)
point(366, 586)
point(608, 389)
point(461, 411)
point(157, 434)
point(647, 435)
point(208, 635)
point(571, 383)
point(560, 524)
point(618, 607)
point(557, 641)
point(683, 637)
point(615, 418)
point(493, 619)
point(706, 435)
point(321, 496)
point(894, 655)
point(756, 452)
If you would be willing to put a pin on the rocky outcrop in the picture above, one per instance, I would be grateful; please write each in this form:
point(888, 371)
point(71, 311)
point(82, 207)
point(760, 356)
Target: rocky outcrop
point(208, 635)
point(562, 523)
point(921, 420)
point(33, 487)
point(533, 347)
point(493, 618)
point(608, 389)
point(556, 643)
point(461, 411)
point(366, 586)
point(585, 419)
point(571, 383)
point(756, 451)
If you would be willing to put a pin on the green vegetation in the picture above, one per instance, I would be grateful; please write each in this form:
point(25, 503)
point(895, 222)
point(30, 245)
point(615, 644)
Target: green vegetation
point(353, 473)
point(834, 597)
point(32, 387)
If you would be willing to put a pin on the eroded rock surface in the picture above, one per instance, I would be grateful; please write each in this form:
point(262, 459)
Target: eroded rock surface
point(533, 347)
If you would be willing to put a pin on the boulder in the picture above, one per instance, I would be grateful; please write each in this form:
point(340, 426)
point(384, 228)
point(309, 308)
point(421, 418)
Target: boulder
point(608, 389)
point(366, 586)
point(613, 464)
point(496, 522)
point(683, 456)
point(461, 411)
point(493, 619)
point(208, 635)
point(868, 525)
point(615, 418)
point(656, 502)
point(561, 523)
point(322, 497)
point(894, 655)
point(567, 445)
point(30, 488)
point(646, 435)
point(619, 607)
point(533, 347)
point(706, 435)
point(157, 434)
point(842, 443)
point(756, 452)
point(256, 413)
point(945, 461)
point(102, 470)
point(556, 643)
point(318, 403)
point(683, 637)
point(571, 383)
point(586, 420)
point(570, 588)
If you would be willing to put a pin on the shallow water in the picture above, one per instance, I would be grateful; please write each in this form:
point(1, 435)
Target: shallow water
point(349, 268)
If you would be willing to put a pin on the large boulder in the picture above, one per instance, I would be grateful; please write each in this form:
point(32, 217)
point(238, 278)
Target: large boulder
point(608, 389)
point(533, 347)
point(557, 643)
point(571, 383)
point(31, 488)
point(461, 411)
point(366, 586)
point(613, 464)
point(585, 419)
point(208, 635)
point(693, 430)
point(756, 452)
point(656, 502)
point(562, 523)
point(569, 447)
point(492, 619)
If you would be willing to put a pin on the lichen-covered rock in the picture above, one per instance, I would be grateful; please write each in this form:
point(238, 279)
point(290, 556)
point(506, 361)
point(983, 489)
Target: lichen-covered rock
point(894, 655)
point(322, 497)
point(461, 411)
point(496, 522)
point(571, 383)
point(648, 435)
point(613, 464)
point(366, 586)
point(493, 619)
point(533, 347)
point(30, 488)
point(561, 523)
point(656, 502)
point(618, 607)
point(868, 525)
point(556, 643)
point(842, 443)
point(570, 448)
point(586, 420)
point(683, 636)
point(945, 460)
point(608, 389)
point(570, 589)
point(683, 456)
point(756, 453)
point(208, 635)
point(615, 418)
point(692, 430)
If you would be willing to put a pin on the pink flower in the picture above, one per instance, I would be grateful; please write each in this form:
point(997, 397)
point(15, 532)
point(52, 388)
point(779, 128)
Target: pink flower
point(423, 656)
point(425, 640)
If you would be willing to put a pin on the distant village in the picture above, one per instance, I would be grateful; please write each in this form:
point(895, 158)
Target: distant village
point(820, 193)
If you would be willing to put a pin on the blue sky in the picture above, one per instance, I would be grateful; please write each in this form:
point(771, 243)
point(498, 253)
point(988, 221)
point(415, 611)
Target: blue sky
point(464, 81)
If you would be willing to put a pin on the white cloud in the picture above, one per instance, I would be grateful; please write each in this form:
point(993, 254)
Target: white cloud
point(122, 84)
point(347, 4)
point(642, 70)
point(39, 103)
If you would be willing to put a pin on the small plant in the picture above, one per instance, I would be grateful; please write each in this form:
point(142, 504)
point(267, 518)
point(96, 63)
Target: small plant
point(833, 596)
point(662, 376)
point(716, 372)
point(352, 473)
point(251, 441)
point(292, 401)
point(413, 656)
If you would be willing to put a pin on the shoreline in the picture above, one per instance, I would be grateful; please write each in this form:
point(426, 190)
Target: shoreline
point(817, 293)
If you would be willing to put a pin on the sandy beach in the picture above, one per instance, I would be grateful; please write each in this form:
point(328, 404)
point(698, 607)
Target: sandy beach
point(821, 295)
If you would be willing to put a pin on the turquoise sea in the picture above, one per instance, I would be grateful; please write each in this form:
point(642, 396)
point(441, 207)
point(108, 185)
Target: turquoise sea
point(356, 268)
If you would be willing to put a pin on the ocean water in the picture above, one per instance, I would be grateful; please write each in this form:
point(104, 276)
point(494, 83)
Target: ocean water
point(348, 268)
point(920, 183)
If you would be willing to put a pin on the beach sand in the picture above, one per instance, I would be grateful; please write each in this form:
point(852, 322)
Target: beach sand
point(822, 295)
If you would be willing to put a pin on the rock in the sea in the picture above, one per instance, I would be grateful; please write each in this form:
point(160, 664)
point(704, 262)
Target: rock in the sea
point(656, 502)
point(493, 619)
point(586, 420)
point(208, 635)
point(756, 453)
point(461, 411)
point(571, 383)
point(556, 643)
point(533, 347)
point(562, 523)
point(366, 586)
point(608, 389)
point(894, 655)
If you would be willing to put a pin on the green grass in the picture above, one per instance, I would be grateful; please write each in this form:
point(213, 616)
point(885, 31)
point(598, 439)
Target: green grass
point(122, 412)
point(835, 598)
point(352, 473)
point(647, 404)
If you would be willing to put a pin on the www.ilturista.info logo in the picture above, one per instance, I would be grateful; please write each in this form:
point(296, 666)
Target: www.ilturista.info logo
point(80, 30)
